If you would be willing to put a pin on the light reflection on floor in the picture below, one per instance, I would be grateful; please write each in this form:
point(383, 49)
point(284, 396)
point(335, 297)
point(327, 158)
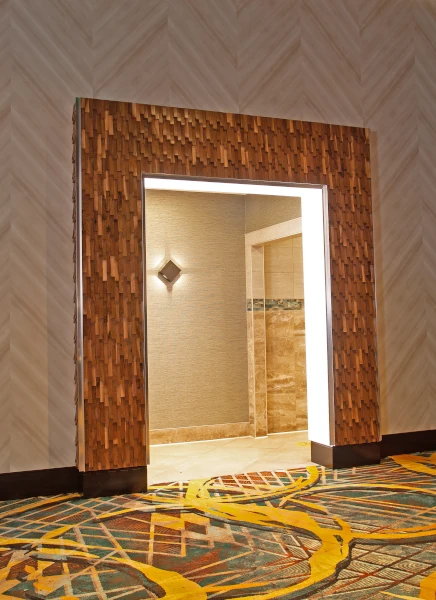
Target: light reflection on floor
point(196, 460)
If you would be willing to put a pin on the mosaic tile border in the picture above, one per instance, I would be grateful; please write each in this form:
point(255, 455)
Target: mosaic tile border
point(269, 304)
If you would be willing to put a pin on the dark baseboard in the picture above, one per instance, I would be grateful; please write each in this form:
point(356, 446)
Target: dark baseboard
point(51, 482)
point(357, 455)
point(44, 482)
point(113, 482)
point(67, 480)
point(342, 457)
point(406, 443)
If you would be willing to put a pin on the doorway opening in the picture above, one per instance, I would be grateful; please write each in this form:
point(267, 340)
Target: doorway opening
point(238, 329)
point(275, 327)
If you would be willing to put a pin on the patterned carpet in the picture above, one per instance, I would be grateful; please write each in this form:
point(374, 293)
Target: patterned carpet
point(360, 533)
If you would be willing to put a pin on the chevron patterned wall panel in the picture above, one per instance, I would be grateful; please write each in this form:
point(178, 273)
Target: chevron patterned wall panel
point(122, 140)
point(363, 63)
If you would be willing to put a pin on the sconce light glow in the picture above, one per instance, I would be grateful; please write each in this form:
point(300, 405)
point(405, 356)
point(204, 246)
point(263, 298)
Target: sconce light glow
point(317, 295)
point(158, 261)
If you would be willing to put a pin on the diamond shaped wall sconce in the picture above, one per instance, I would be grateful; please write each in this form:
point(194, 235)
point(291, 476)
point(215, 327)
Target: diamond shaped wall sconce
point(169, 273)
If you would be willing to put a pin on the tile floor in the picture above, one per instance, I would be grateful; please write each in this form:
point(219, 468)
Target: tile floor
point(195, 460)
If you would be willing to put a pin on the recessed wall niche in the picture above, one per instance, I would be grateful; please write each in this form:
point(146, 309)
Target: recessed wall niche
point(116, 143)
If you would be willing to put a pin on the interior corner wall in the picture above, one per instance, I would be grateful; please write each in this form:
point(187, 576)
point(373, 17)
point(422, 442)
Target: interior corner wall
point(382, 71)
point(264, 211)
point(284, 269)
point(197, 331)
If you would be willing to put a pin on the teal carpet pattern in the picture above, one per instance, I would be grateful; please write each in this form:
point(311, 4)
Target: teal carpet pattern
point(364, 533)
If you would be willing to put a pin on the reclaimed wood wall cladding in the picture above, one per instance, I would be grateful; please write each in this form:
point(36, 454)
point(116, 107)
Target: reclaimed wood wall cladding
point(112, 294)
point(122, 140)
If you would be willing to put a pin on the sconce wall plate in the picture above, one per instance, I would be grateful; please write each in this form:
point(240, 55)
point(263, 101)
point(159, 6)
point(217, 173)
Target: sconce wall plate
point(169, 272)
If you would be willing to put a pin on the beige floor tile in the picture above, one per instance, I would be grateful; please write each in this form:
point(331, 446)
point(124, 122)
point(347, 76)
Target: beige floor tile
point(197, 460)
point(154, 476)
point(271, 441)
point(163, 477)
point(242, 454)
point(275, 464)
point(174, 451)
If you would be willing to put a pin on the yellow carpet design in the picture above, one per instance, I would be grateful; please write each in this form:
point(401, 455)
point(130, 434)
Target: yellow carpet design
point(358, 533)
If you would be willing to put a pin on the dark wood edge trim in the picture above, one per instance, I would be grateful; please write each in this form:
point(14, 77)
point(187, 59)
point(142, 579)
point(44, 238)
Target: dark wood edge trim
point(67, 480)
point(407, 443)
point(43, 482)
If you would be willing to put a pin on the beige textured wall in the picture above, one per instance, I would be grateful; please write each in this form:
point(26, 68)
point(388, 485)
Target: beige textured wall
point(264, 211)
point(284, 268)
point(255, 272)
point(197, 332)
point(367, 63)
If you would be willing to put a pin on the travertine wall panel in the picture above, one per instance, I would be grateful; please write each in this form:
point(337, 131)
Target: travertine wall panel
point(285, 335)
point(286, 370)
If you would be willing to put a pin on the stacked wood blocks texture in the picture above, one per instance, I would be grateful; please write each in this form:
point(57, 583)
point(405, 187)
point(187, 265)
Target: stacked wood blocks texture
point(120, 141)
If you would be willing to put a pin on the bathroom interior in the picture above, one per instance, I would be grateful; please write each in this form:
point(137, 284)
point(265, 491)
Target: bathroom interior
point(226, 352)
